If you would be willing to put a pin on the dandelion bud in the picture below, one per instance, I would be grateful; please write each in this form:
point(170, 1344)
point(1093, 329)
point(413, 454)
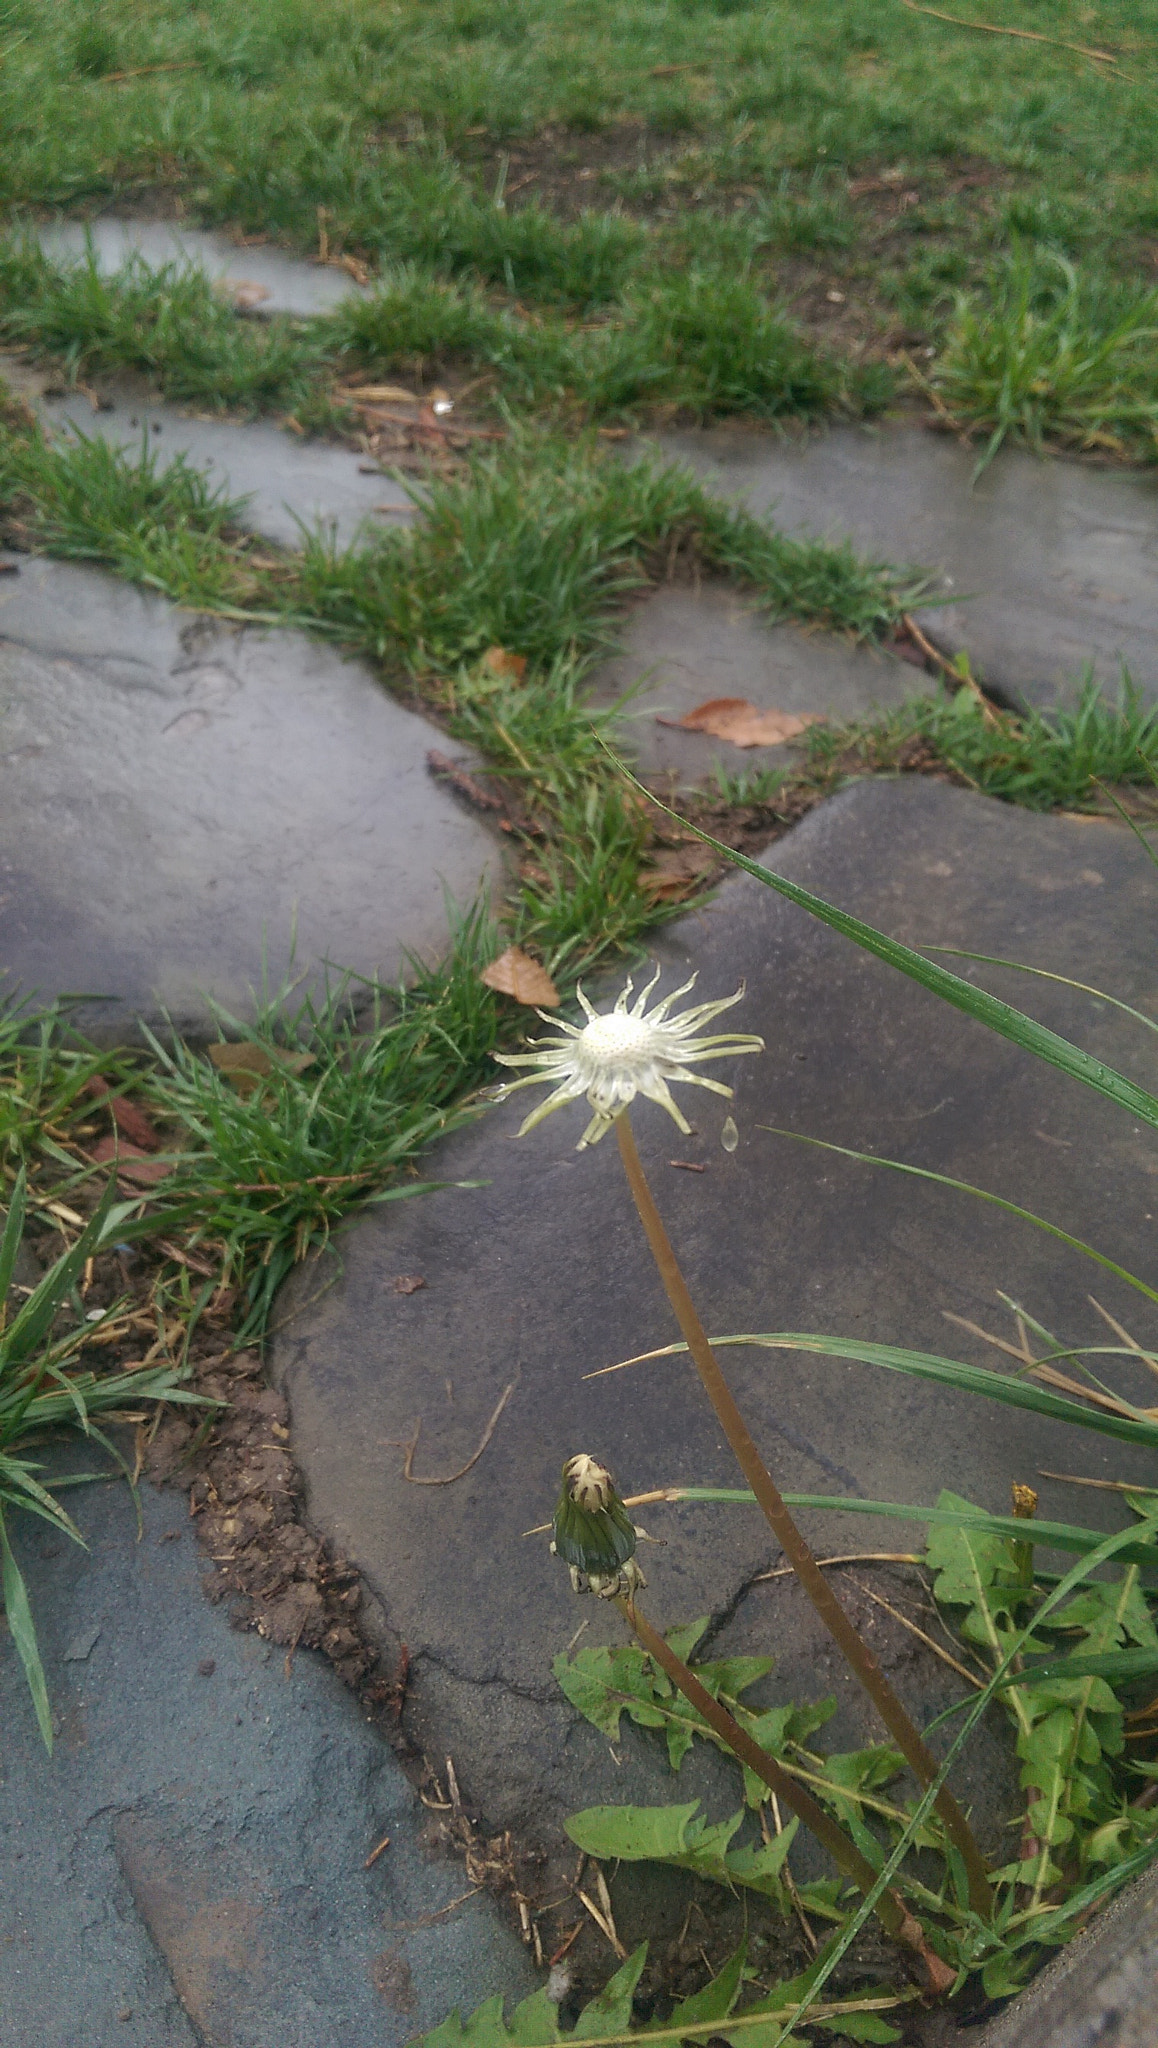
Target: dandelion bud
point(593, 1533)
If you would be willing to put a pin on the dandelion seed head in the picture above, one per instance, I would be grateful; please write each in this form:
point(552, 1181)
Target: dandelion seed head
point(627, 1051)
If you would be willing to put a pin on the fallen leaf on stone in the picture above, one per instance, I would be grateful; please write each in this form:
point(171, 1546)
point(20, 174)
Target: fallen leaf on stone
point(501, 662)
point(515, 974)
point(743, 723)
point(247, 1064)
point(407, 1283)
point(244, 293)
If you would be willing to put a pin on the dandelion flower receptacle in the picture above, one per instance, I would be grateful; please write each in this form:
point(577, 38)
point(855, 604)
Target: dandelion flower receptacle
point(624, 1052)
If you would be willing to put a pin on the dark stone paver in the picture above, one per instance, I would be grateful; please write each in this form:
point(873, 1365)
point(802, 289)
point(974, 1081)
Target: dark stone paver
point(539, 1276)
point(684, 646)
point(179, 794)
point(292, 285)
point(1053, 561)
point(290, 483)
point(187, 1870)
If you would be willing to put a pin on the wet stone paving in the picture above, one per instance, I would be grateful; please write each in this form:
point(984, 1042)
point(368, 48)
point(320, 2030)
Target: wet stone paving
point(183, 798)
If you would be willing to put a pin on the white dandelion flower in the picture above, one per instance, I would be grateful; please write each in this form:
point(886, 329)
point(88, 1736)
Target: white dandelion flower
point(624, 1052)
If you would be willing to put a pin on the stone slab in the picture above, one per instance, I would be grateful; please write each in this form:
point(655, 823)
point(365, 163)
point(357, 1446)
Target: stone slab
point(1054, 561)
point(539, 1276)
point(179, 795)
point(682, 646)
point(293, 286)
point(289, 483)
point(187, 1870)
point(1100, 1992)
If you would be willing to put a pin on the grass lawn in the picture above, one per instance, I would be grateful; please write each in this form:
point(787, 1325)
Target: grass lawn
point(704, 208)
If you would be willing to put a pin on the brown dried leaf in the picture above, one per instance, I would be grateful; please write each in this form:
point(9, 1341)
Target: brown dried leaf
point(407, 1283)
point(133, 1165)
point(247, 1064)
point(744, 724)
point(515, 974)
point(244, 293)
point(501, 662)
point(130, 1121)
point(677, 873)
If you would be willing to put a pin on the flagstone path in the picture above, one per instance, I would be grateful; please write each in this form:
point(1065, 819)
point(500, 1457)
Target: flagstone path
point(175, 792)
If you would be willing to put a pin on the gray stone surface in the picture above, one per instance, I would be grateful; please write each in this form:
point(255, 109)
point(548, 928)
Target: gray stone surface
point(178, 794)
point(1054, 561)
point(1100, 1992)
point(683, 646)
point(539, 1276)
point(288, 482)
point(188, 1868)
point(293, 286)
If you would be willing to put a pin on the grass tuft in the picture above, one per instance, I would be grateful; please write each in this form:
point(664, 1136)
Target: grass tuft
point(359, 1080)
point(1038, 356)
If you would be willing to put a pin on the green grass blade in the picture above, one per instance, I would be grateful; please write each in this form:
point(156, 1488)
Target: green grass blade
point(1135, 827)
point(23, 1632)
point(1117, 1667)
point(965, 1187)
point(1047, 1535)
point(13, 1230)
point(1044, 973)
point(949, 1372)
point(975, 1002)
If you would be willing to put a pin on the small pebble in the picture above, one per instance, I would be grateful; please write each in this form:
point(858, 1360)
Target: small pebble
point(207, 1667)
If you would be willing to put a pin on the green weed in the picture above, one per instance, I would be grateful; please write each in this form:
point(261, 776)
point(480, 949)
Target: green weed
point(744, 786)
point(168, 323)
point(1037, 356)
point(358, 1079)
point(1052, 760)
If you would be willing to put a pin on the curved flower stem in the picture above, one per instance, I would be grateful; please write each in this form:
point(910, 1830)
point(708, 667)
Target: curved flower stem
point(857, 1653)
point(893, 1914)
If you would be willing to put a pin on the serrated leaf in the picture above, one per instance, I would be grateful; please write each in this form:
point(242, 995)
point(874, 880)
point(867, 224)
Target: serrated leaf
point(535, 2021)
point(973, 1571)
point(683, 1640)
point(680, 1836)
point(733, 1675)
point(860, 1770)
point(610, 2011)
point(604, 1682)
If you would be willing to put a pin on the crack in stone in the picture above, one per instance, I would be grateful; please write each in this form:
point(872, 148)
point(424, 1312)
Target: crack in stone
point(443, 1664)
